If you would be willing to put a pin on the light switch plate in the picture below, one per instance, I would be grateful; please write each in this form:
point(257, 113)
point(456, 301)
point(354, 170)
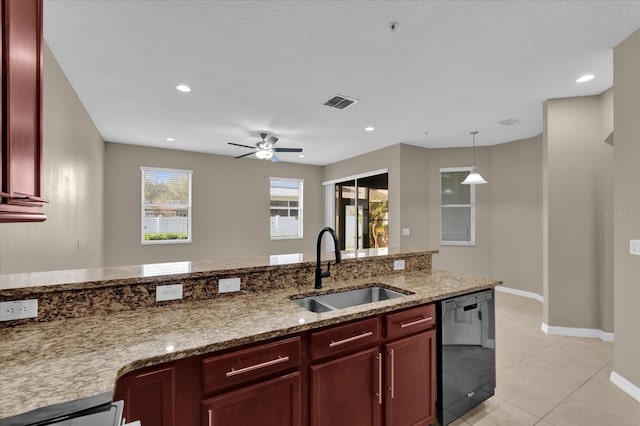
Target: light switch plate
point(406, 231)
point(228, 285)
point(398, 265)
point(18, 309)
point(634, 247)
point(168, 292)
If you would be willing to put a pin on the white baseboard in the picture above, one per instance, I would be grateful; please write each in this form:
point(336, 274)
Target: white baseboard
point(577, 332)
point(625, 385)
point(522, 293)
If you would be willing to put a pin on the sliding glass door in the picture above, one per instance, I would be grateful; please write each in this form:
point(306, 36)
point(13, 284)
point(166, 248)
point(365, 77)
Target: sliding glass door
point(362, 212)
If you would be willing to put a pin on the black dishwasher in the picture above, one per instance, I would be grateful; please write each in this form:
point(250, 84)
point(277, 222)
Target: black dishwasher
point(466, 353)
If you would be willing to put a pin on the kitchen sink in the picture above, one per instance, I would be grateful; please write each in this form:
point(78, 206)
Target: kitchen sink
point(346, 299)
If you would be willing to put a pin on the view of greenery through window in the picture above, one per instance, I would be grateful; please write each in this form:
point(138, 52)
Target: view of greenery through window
point(166, 205)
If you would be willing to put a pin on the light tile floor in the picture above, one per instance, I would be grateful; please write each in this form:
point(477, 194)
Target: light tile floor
point(549, 380)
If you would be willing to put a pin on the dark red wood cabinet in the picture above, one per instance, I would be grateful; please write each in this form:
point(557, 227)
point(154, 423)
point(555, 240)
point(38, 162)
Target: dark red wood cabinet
point(410, 376)
point(21, 153)
point(369, 372)
point(344, 391)
point(275, 402)
point(149, 396)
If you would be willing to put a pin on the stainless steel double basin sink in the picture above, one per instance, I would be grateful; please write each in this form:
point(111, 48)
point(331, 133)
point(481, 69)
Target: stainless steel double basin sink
point(347, 298)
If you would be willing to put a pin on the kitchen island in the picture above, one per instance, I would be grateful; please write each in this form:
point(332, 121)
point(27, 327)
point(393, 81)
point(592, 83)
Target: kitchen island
point(43, 363)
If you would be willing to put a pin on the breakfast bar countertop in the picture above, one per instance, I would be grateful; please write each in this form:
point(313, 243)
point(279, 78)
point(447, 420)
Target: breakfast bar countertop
point(52, 362)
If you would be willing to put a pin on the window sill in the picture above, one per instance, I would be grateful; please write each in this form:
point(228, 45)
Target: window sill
point(154, 242)
point(458, 243)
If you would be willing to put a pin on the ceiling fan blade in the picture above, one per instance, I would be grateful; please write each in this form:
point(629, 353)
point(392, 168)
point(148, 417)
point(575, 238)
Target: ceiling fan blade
point(244, 155)
point(274, 159)
point(244, 146)
point(287, 149)
point(272, 140)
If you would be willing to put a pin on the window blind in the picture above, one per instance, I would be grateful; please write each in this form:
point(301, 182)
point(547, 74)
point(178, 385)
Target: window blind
point(166, 205)
point(457, 208)
point(285, 208)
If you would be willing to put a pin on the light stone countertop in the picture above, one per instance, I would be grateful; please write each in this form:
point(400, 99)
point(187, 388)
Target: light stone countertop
point(57, 361)
point(116, 275)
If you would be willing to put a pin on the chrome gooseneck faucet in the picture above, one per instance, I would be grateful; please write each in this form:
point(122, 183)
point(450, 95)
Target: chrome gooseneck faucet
point(320, 274)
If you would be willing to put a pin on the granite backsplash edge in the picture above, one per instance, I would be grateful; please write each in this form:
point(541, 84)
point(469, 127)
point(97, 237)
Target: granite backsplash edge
point(109, 296)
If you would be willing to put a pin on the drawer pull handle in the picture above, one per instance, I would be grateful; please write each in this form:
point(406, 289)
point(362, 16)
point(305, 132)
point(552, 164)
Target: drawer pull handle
point(278, 360)
point(379, 394)
point(393, 374)
point(416, 322)
point(210, 417)
point(333, 344)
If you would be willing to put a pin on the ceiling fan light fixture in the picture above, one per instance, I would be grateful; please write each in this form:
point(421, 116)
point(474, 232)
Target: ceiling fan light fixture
point(474, 178)
point(264, 155)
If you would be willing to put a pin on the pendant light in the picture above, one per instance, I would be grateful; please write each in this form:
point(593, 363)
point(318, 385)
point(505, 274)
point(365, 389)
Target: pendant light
point(474, 177)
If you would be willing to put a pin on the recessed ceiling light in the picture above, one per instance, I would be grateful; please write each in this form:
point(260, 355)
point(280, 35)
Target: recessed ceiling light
point(585, 78)
point(183, 88)
point(170, 139)
point(301, 155)
point(369, 129)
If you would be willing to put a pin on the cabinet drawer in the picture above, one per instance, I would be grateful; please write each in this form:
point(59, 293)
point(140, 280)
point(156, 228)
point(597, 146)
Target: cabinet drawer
point(410, 321)
point(222, 371)
point(344, 338)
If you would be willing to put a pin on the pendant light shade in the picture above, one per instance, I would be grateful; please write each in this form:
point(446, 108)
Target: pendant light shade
point(474, 178)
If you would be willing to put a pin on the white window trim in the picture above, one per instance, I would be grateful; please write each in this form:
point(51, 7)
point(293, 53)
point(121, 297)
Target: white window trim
point(472, 219)
point(142, 216)
point(300, 235)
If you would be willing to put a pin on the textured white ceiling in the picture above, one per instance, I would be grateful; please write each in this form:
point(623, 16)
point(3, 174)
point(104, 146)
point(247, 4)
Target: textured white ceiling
point(449, 68)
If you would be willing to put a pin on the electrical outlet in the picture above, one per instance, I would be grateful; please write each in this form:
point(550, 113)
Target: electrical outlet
point(228, 285)
point(406, 231)
point(18, 309)
point(398, 265)
point(168, 292)
point(634, 247)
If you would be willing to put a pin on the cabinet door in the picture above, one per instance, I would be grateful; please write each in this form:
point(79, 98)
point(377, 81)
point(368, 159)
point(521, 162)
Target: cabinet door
point(346, 391)
point(410, 381)
point(21, 158)
point(272, 403)
point(149, 397)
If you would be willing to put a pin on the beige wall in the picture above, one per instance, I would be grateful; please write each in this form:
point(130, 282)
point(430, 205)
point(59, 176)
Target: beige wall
point(230, 206)
point(571, 282)
point(516, 214)
point(415, 173)
point(414, 195)
point(72, 235)
point(605, 171)
point(473, 260)
point(626, 69)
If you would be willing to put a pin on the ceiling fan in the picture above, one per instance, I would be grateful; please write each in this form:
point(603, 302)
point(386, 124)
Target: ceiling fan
point(264, 149)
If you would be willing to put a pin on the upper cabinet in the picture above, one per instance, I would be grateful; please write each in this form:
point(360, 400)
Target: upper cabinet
point(21, 154)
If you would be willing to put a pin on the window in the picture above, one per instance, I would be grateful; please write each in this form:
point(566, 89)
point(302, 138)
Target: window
point(166, 205)
point(286, 208)
point(457, 216)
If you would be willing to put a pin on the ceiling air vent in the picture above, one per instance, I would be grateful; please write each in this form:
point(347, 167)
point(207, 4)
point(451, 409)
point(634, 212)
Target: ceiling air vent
point(508, 122)
point(340, 102)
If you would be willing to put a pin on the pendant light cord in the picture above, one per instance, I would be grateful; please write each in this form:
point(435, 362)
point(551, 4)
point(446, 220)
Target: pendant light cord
point(474, 133)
